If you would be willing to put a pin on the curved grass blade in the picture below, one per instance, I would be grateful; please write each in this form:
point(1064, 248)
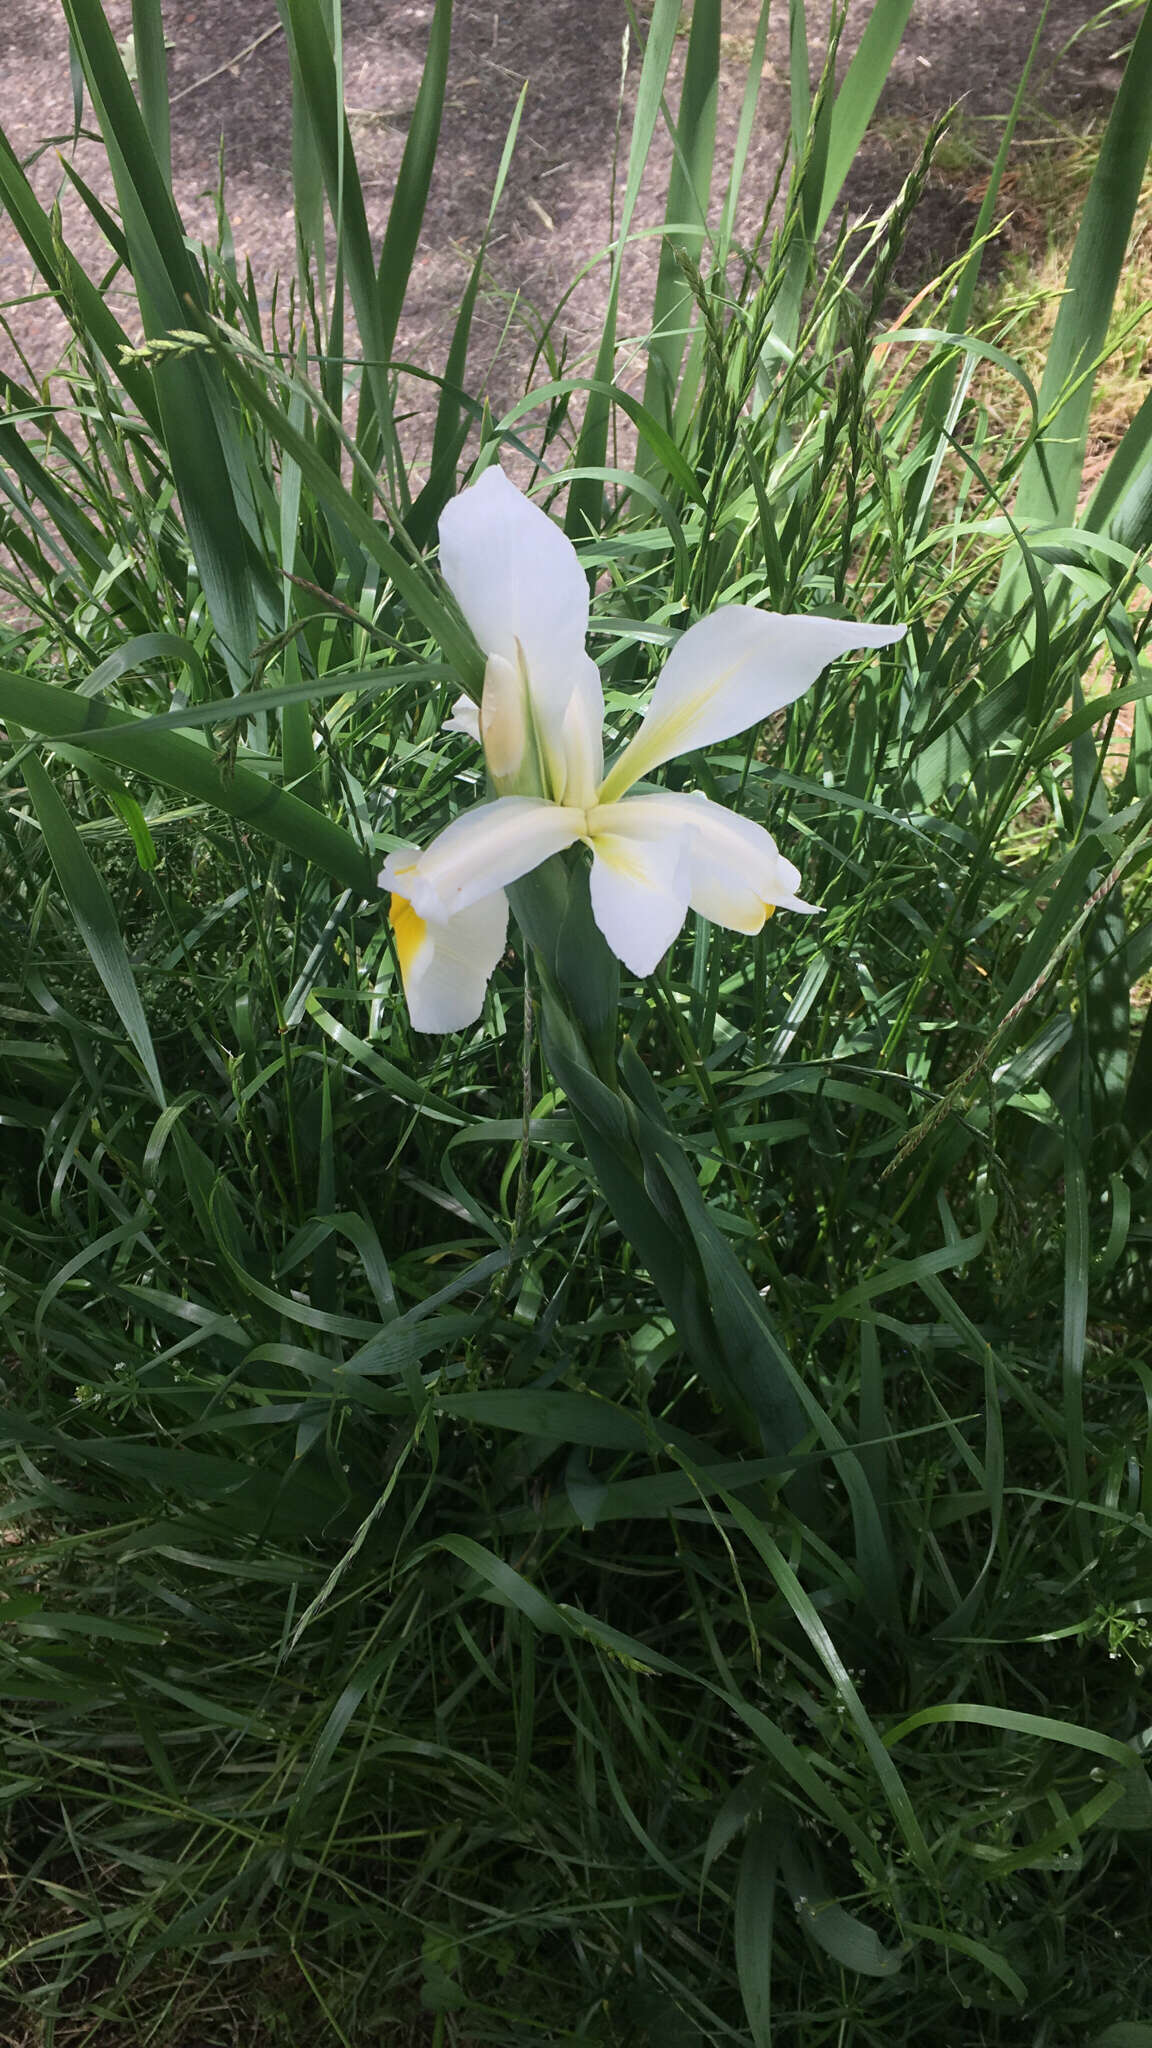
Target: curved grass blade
point(190, 767)
point(209, 466)
point(1050, 477)
point(91, 907)
point(151, 56)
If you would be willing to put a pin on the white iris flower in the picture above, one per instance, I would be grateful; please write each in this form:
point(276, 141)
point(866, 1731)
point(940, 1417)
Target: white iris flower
point(655, 855)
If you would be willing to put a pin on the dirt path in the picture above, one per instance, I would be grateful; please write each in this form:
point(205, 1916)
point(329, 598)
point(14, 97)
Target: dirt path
point(229, 78)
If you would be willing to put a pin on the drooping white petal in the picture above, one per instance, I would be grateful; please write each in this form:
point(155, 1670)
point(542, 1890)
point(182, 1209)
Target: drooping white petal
point(638, 885)
point(479, 852)
point(464, 717)
point(516, 577)
point(729, 671)
point(445, 967)
point(736, 874)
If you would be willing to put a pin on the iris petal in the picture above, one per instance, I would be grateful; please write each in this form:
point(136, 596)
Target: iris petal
point(733, 871)
point(638, 885)
point(446, 966)
point(518, 581)
point(479, 852)
point(728, 672)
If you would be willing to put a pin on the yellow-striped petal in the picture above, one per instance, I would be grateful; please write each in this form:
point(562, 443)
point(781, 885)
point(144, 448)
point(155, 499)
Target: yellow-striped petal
point(446, 966)
point(729, 671)
point(481, 851)
point(639, 883)
point(733, 872)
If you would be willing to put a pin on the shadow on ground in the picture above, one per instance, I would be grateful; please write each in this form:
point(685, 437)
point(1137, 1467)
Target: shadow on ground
point(231, 97)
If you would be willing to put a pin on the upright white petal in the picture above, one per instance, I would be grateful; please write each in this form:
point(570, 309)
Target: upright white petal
point(516, 577)
point(728, 672)
point(639, 883)
point(445, 967)
point(582, 744)
point(479, 852)
point(570, 725)
point(504, 727)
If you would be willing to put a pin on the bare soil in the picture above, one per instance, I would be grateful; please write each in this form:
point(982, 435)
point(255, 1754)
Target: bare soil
point(230, 87)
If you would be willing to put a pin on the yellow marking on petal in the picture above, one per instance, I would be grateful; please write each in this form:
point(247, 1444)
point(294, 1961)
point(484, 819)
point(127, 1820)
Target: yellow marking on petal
point(616, 852)
point(769, 911)
point(409, 930)
point(658, 739)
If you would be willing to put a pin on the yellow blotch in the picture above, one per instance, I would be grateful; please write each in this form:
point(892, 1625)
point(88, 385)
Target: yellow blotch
point(769, 911)
point(409, 930)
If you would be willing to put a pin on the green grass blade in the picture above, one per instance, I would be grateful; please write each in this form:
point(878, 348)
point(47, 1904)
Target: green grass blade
point(744, 133)
point(754, 1915)
point(942, 383)
point(406, 214)
point(190, 767)
point(585, 499)
point(414, 585)
point(1037, 1727)
point(689, 188)
point(448, 434)
point(317, 87)
point(1050, 478)
point(892, 1784)
point(1076, 1292)
point(208, 464)
point(152, 73)
point(71, 284)
point(1121, 504)
point(91, 907)
point(855, 103)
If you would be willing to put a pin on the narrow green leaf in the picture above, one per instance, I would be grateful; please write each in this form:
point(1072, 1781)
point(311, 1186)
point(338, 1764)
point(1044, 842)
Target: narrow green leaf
point(77, 295)
point(979, 1951)
point(152, 75)
point(1076, 1279)
point(189, 766)
point(414, 585)
point(585, 499)
point(856, 100)
point(571, 1418)
point(511, 1588)
point(446, 436)
point(316, 86)
point(1050, 478)
point(819, 1636)
point(406, 214)
point(753, 1931)
point(1121, 504)
point(208, 464)
point(689, 188)
point(842, 1935)
point(972, 1713)
point(91, 907)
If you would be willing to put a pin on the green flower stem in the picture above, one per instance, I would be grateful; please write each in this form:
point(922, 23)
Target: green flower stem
point(642, 1172)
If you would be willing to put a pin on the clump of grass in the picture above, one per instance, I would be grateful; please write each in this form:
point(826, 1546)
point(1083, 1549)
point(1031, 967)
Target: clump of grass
point(406, 1640)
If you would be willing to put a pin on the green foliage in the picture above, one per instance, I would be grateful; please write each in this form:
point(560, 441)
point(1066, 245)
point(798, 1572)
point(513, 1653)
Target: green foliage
point(502, 1546)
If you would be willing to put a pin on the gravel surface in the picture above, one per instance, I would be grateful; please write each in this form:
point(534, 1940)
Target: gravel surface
point(230, 87)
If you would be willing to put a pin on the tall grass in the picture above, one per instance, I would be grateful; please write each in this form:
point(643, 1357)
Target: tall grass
point(405, 1639)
